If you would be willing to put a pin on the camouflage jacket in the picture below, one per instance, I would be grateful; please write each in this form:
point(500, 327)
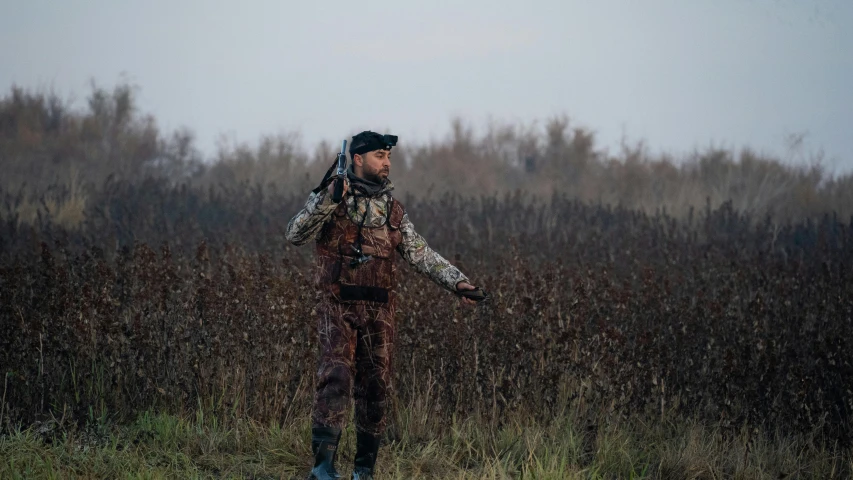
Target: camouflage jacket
point(318, 212)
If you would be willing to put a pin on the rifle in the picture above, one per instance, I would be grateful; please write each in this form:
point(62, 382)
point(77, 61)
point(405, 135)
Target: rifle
point(338, 192)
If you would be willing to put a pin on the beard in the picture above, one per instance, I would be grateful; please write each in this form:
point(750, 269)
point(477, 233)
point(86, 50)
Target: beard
point(375, 176)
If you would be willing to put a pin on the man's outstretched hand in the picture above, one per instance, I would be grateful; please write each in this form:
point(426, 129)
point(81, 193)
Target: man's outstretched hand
point(466, 286)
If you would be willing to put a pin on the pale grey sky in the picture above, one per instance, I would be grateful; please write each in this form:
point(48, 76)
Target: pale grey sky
point(679, 74)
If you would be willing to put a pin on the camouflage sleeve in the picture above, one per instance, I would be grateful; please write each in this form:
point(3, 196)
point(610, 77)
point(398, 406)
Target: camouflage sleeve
point(309, 221)
point(425, 260)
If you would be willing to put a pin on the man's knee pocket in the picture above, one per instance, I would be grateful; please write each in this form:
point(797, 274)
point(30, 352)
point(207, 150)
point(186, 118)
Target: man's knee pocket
point(336, 380)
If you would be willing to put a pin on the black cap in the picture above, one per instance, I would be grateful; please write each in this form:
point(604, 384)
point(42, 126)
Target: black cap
point(368, 141)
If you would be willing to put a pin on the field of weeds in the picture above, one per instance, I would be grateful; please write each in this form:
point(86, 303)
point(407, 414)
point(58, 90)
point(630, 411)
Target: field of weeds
point(731, 322)
point(621, 341)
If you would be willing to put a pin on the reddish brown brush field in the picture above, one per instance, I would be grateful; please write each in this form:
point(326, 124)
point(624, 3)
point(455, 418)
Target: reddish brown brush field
point(720, 316)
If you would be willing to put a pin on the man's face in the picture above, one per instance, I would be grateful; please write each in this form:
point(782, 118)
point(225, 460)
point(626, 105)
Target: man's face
point(376, 165)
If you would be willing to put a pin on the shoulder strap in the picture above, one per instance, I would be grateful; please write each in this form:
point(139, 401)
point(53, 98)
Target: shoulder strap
point(325, 182)
point(389, 209)
point(395, 213)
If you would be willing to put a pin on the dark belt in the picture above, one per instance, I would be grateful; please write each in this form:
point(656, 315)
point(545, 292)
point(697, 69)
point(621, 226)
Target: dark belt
point(357, 292)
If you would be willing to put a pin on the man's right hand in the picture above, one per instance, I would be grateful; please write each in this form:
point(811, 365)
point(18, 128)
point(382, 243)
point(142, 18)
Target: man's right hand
point(331, 188)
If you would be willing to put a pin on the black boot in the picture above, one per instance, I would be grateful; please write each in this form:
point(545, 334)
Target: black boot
point(324, 445)
point(367, 447)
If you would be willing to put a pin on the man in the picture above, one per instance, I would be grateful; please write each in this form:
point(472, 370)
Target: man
point(355, 244)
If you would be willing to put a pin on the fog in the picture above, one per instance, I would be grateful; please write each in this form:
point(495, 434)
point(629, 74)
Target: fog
point(676, 75)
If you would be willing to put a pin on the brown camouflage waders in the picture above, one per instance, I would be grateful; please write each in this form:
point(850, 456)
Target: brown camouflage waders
point(355, 319)
point(356, 241)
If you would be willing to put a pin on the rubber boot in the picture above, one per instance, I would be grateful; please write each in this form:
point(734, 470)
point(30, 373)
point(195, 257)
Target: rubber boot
point(324, 445)
point(367, 448)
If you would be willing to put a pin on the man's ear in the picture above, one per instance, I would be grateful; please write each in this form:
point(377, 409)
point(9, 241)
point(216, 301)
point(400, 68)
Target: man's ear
point(358, 160)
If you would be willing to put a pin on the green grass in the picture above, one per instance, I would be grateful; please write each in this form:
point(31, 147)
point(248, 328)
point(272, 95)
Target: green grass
point(422, 446)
